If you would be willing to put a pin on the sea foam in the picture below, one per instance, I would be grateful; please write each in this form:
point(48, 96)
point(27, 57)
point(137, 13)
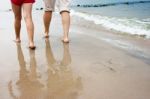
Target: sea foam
point(131, 26)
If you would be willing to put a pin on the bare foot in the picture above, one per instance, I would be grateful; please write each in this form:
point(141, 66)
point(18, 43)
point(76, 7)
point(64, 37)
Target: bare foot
point(17, 41)
point(32, 46)
point(66, 40)
point(46, 35)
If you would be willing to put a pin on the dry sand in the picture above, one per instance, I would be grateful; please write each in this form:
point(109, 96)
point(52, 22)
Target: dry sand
point(94, 65)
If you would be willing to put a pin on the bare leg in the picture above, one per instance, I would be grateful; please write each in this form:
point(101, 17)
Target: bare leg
point(27, 11)
point(17, 23)
point(66, 25)
point(47, 19)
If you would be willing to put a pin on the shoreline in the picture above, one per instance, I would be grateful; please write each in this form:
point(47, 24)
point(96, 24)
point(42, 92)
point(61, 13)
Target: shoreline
point(138, 45)
point(89, 67)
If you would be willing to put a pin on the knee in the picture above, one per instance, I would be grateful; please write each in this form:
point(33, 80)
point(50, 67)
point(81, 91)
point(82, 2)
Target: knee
point(27, 17)
point(18, 18)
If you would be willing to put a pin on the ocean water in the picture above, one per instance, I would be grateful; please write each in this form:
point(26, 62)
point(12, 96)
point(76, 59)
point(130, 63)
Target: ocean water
point(132, 19)
point(126, 16)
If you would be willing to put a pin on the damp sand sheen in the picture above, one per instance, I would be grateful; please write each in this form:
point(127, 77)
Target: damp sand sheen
point(96, 64)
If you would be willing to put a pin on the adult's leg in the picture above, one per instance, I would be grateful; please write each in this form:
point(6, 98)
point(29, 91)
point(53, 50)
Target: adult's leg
point(27, 12)
point(66, 25)
point(47, 19)
point(17, 22)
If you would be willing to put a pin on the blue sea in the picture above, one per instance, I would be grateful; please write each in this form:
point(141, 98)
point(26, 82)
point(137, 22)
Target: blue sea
point(125, 16)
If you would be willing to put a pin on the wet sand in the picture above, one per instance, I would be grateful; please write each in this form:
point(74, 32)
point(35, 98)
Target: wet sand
point(94, 65)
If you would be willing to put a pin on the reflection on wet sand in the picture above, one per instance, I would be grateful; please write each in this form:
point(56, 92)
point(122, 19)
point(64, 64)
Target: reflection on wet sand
point(28, 85)
point(61, 83)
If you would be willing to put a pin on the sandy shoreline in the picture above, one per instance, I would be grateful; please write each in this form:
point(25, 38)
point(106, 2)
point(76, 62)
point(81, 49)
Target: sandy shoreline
point(95, 65)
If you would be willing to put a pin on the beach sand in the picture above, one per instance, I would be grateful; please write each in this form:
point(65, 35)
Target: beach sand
point(96, 64)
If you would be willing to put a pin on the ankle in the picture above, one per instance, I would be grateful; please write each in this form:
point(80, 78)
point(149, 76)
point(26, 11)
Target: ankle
point(17, 39)
point(31, 42)
point(65, 38)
